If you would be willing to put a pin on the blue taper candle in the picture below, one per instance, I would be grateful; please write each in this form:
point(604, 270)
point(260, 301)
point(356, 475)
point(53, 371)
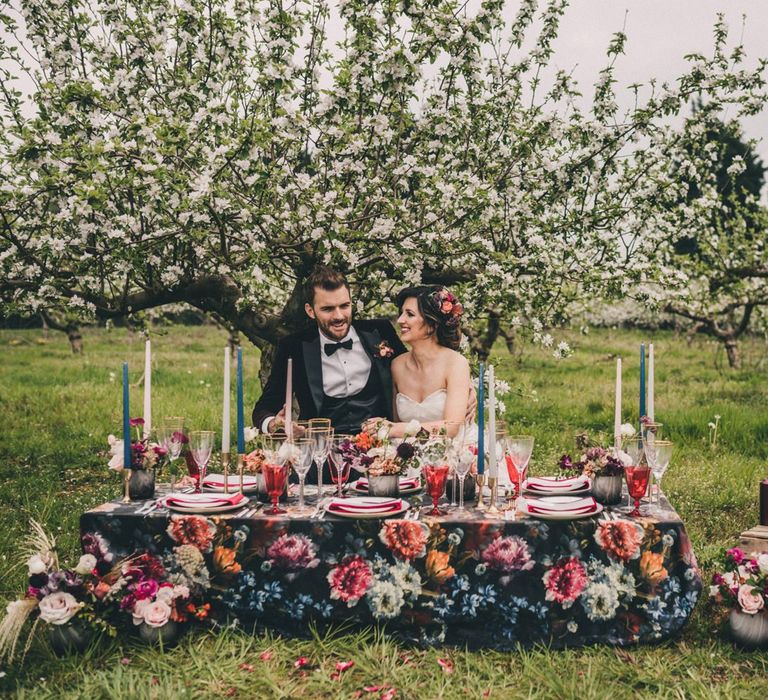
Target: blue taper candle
point(126, 420)
point(240, 415)
point(642, 381)
point(480, 421)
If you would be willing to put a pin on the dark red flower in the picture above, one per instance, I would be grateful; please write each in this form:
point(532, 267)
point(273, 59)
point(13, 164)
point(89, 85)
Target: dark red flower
point(136, 421)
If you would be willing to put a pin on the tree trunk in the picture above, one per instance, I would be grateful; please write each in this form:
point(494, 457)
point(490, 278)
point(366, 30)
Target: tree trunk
point(75, 339)
point(71, 328)
point(732, 350)
point(46, 327)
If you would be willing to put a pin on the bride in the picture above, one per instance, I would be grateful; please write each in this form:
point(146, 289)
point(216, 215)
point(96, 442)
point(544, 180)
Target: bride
point(431, 382)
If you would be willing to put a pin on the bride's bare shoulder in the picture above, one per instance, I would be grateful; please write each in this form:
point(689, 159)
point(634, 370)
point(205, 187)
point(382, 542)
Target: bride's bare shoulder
point(400, 360)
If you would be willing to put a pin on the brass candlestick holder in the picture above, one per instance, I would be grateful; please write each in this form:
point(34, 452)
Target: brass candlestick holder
point(225, 458)
point(480, 479)
point(126, 484)
point(240, 467)
point(493, 482)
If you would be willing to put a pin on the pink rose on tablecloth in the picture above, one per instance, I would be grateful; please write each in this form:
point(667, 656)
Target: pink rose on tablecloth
point(156, 614)
point(508, 554)
point(621, 539)
point(58, 608)
point(750, 599)
point(350, 580)
point(293, 552)
point(145, 589)
point(565, 581)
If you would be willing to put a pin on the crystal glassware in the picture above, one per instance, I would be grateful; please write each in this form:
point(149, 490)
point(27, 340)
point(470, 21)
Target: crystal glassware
point(301, 465)
point(517, 455)
point(637, 483)
point(463, 457)
point(657, 454)
point(201, 446)
point(434, 459)
point(320, 432)
point(275, 469)
point(172, 438)
point(338, 460)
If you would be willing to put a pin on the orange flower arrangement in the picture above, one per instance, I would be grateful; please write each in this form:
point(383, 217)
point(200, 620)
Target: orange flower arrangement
point(406, 538)
point(652, 567)
point(438, 566)
point(224, 559)
point(363, 441)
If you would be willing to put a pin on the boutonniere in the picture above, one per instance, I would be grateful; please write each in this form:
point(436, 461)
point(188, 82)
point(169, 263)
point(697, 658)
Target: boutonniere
point(384, 350)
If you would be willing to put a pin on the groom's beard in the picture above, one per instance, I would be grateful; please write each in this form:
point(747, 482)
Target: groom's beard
point(335, 330)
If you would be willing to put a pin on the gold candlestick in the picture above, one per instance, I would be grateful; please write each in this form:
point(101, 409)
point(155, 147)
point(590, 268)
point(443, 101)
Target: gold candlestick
point(240, 467)
point(126, 483)
point(493, 482)
point(480, 478)
point(225, 466)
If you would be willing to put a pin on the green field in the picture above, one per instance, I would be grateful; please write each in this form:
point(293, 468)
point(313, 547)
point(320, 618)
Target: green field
point(57, 410)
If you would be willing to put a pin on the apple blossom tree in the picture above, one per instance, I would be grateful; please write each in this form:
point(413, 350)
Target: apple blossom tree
point(211, 152)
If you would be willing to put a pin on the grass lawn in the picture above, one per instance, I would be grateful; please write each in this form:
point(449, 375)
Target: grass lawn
point(57, 410)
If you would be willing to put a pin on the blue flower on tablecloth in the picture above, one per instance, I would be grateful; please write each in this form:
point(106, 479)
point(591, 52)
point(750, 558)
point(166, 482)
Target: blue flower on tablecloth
point(487, 594)
point(295, 609)
point(458, 584)
point(670, 585)
point(324, 608)
point(354, 545)
point(470, 605)
point(656, 609)
point(520, 615)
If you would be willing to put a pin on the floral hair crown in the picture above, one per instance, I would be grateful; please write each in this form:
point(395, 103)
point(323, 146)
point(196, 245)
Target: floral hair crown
point(449, 306)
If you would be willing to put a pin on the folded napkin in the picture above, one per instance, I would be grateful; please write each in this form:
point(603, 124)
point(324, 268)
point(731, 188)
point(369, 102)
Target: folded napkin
point(551, 484)
point(203, 499)
point(362, 483)
point(234, 480)
point(341, 508)
point(542, 505)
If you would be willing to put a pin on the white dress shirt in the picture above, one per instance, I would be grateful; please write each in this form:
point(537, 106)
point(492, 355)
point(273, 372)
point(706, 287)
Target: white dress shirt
point(345, 373)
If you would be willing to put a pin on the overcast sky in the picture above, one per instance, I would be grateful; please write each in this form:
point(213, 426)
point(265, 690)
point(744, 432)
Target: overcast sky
point(660, 33)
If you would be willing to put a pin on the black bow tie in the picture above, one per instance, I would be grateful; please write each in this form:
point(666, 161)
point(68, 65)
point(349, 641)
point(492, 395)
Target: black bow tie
point(331, 348)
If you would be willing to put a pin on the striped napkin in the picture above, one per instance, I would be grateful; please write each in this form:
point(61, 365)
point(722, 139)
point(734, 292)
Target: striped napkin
point(203, 499)
point(217, 480)
point(406, 483)
point(544, 506)
point(348, 506)
point(553, 485)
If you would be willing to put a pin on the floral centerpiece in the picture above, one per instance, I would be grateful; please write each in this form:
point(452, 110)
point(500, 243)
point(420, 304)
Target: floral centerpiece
point(742, 586)
point(378, 455)
point(146, 458)
point(601, 465)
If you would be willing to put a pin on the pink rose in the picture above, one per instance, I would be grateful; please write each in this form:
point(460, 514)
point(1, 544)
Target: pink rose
point(58, 608)
point(138, 611)
point(145, 589)
point(751, 602)
point(156, 614)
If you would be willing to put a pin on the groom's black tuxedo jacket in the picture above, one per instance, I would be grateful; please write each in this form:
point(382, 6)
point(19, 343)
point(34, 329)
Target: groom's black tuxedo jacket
point(304, 348)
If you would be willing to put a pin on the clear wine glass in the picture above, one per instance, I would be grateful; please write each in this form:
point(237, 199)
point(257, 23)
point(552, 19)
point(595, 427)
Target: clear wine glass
point(301, 465)
point(201, 446)
point(320, 433)
point(172, 438)
point(462, 457)
point(519, 449)
point(658, 454)
point(338, 460)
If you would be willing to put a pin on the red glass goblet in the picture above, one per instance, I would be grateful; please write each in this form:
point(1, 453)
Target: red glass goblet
point(275, 476)
point(637, 483)
point(435, 476)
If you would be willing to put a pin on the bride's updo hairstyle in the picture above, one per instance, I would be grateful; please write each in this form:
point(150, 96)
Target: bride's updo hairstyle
point(441, 311)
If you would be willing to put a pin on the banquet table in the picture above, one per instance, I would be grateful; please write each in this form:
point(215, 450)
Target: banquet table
point(484, 581)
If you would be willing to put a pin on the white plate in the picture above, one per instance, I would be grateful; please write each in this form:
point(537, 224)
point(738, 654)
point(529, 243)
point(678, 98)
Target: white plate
point(250, 483)
point(253, 488)
point(410, 489)
point(203, 503)
point(549, 494)
point(199, 510)
point(369, 514)
point(564, 515)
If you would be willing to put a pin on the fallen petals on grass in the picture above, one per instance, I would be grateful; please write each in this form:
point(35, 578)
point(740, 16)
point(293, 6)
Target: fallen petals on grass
point(301, 662)
point(342, 666)
point(246, 667)
point(447, 665)
point(266, 655)
point(388, 694)
point(229, 692)
point(374, 688)
point(406, 659)
point(125, 661)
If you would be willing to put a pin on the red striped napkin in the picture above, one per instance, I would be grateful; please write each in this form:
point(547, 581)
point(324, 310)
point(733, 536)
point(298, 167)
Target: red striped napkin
point(551, 484)
point(411, 483)
point(578, 506)
point(203, 499)
point(350, 506)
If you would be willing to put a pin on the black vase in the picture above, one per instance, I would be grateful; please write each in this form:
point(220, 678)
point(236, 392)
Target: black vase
point(70, 638)
point(141, 484)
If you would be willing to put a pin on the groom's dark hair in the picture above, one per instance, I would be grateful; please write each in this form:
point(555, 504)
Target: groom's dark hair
point(326, 278)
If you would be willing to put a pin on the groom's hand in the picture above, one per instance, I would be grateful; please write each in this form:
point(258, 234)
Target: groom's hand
point(471, 405)
point(277, 422)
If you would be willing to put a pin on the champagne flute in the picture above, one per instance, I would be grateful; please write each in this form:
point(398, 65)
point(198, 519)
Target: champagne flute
point(172, 438)
point(201, 446)
point(657, 453)
point(519, 449)
point(320, 433)
point(463, 457)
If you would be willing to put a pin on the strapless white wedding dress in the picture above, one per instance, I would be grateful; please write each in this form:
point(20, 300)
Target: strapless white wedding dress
point(432, 408)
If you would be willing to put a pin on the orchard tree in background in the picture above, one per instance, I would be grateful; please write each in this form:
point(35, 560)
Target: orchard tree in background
point(212, 153)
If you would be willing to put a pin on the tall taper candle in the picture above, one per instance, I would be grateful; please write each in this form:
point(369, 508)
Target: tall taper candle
point(126, 420)
point(651, 398)
point(289, 399)
point(147, 389)
point(480, 421)
point(226, 411)
point(240, 414)
point(642, 381)
point(493, 465)
point(617, 409)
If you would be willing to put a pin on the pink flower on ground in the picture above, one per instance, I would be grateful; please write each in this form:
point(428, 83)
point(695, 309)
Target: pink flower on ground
point(508, 554)
point(350, 580)
point(301, 662)
point(341, 666)
point(266, 655)
point(388, 694)
point(750, 600)
point(565, 581)
point(446, 664)
point(293, 552)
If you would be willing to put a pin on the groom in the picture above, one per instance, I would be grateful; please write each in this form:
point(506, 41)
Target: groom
point(341, 368)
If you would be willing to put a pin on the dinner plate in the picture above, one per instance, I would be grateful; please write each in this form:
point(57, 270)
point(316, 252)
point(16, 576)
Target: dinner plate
point(554, 491)
point(359, 488)
point(202, 503)
point(563, 514)
point(250, 483)
point(369, 514)
point(201, 510)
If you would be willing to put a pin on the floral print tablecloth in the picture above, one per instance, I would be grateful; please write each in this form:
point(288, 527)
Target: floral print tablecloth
point(481, 582)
